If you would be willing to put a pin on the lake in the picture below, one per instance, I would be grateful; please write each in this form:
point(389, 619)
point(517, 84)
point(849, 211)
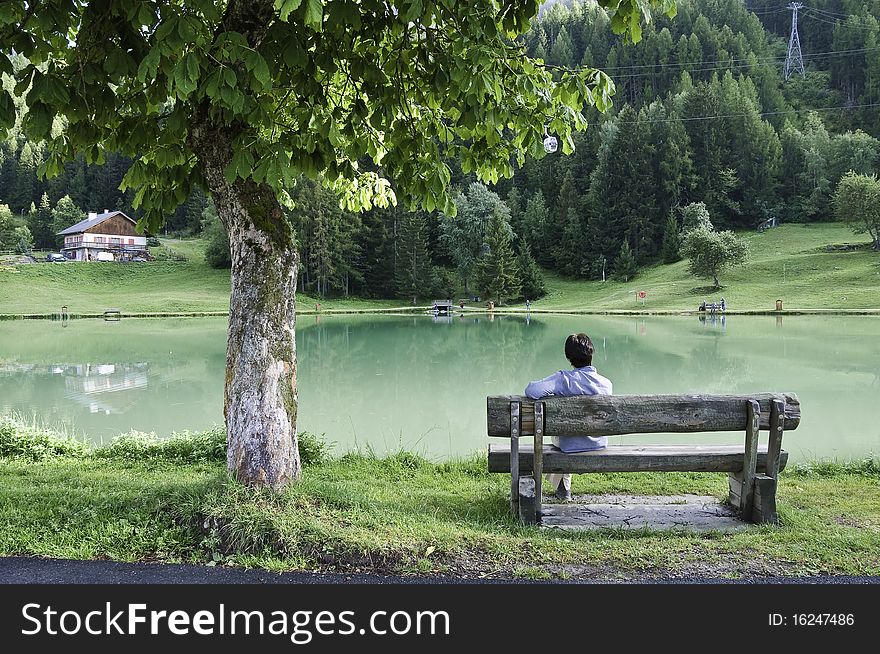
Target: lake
point(419, 383)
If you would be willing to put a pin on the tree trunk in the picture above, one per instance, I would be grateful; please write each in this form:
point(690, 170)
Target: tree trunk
point(260, 400)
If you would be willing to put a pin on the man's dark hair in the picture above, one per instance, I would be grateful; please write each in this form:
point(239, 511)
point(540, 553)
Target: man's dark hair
point(579, 350)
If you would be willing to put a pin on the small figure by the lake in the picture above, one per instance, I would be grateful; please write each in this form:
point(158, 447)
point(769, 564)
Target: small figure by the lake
point(583, 380)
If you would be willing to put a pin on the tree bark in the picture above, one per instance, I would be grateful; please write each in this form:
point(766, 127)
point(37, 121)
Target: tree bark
point(260, 400)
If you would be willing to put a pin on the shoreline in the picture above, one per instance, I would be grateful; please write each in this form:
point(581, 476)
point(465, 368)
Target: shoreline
point(54, 316)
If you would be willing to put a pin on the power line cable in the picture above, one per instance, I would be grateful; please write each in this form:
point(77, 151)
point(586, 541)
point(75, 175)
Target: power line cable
point(824, 19)
point(725, 65)
point(733, 67)
point(740, 115)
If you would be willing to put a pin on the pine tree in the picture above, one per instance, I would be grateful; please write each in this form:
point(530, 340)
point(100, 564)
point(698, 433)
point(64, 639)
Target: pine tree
point(497, 273)
point(565, 211)
point(625, 267)
point(40, 224)
point(570, 253)
point(25, 179)
point(562, 52)
point(533, 286)
point(534, 227)
point(671, 240)
point(413, 272)
point(377, 255)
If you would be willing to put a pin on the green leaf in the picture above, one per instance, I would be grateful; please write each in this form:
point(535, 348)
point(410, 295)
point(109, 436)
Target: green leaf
point(314, 15)
point(145, 15)
point(294, 55)
point(286, 7)
point(7, 110)
point(38, 121)
point(260, 69)
point(413, 11)
point(192, 67)
point(149, 66)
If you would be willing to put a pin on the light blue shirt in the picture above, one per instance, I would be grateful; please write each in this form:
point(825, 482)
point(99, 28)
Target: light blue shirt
point(580, 381)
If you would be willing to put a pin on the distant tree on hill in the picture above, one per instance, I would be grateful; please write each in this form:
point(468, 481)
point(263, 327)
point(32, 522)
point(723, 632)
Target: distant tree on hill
point(40, 224)
point(695, 215)
point(497, 273)
point(530, 274)
point(463, 235)
point(625, 267)
point(217, 251)
point(671, 248)
point(65, 214)
point(857, 202)
point(709, 252)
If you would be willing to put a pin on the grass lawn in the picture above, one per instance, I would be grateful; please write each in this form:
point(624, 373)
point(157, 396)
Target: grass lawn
point(140, 500)
point(148, 287)
point(791, 263)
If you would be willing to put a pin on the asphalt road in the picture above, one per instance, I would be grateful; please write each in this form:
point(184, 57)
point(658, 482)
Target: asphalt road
point(26, 570)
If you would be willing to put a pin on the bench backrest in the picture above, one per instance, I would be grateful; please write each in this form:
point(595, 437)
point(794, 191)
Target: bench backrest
point(609, 415)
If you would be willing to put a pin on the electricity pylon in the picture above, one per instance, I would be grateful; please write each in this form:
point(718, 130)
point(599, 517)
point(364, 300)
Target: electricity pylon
point(795, 60)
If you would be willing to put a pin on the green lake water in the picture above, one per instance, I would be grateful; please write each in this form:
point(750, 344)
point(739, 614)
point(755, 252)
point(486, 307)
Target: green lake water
point(419, 383)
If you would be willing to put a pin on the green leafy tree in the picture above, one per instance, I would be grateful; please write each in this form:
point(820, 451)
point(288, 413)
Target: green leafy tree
point(695, 215)
point(463, 235)
point(709, 252)
point(857, 202)
point(65, 214)
point(498, 276)
point(22, 239)
point(8, 225)
point(217, 250)
point(240, 97)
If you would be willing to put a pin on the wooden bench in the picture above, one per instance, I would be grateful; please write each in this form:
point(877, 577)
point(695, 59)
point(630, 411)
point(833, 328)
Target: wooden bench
point(752, 471)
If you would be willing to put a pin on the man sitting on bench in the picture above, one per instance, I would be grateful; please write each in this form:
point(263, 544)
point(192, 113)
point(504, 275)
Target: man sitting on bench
point(583, 380)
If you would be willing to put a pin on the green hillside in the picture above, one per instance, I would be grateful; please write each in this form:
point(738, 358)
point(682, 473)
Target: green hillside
point(792, 263)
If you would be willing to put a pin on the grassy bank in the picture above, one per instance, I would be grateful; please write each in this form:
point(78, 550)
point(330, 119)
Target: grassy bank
point(799, 264)
point(156, 287)
point(140, 499)
point(806, 266)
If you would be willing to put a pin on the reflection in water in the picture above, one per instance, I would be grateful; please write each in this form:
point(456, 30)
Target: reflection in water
point(717, 321)
point(100, 387)
point(107, 388)
point(391, 382)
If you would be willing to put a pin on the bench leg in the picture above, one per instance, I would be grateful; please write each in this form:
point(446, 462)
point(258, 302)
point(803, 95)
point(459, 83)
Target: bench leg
point(735, 484)
point(763, 497)
point(764, 502)
point(514, 457)
point(528, 501)
point(750, 461)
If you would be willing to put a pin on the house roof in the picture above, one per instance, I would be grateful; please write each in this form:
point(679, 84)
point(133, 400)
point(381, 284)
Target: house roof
point(83, 225)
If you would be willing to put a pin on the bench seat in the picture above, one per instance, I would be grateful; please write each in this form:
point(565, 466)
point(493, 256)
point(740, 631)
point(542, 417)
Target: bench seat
point(633, 458)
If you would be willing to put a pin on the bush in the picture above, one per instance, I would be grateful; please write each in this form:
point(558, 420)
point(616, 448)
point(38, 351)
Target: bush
point(313, 450)
point(19, 440)
point(181, 447)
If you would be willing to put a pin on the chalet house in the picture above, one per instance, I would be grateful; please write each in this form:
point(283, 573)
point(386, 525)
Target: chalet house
point(110, 234)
